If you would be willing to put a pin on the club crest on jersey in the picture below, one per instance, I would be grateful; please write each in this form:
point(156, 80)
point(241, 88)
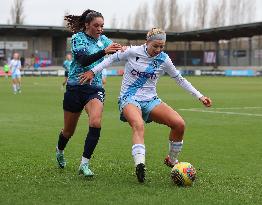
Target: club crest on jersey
point(137, 73)
point(155, 64)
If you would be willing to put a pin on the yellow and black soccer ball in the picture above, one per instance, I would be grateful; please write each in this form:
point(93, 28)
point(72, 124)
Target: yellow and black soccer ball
point(183, 174)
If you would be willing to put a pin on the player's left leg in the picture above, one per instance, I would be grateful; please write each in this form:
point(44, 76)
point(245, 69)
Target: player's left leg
point(19, 84)
point(164, 114)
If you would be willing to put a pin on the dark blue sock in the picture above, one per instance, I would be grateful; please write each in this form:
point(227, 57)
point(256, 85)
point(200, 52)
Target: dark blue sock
point(91, 141)
point(62, 141)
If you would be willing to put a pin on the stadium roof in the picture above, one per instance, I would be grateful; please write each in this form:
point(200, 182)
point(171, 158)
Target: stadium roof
point(212, 34)
point(34, 31)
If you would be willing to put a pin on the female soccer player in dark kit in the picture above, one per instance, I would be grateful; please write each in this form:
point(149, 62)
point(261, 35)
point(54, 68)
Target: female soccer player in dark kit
point(88, 47)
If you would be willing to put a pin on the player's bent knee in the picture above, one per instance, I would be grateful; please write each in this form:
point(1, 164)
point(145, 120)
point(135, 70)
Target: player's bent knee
point(138, 126)
point(178, 125)
point(95, 123)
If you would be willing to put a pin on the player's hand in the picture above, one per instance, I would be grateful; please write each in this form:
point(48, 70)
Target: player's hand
point(114, 47)
point(86, 76)
point(206, 101)
point(124, 48)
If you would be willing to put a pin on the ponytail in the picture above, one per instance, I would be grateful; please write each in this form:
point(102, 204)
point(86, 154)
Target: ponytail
point(77, 23)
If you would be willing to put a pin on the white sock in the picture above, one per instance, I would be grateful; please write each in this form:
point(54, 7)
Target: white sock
point(84, 160)
point(14, 87)
point(138, 153)
point(60, 151)
point(174, 150)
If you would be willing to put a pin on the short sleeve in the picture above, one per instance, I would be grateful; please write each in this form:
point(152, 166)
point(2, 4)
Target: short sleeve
point(106, 41)
point(77, 43)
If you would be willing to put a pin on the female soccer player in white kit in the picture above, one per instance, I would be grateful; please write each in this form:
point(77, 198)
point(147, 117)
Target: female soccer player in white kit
point(138, 100)
point(15, 65)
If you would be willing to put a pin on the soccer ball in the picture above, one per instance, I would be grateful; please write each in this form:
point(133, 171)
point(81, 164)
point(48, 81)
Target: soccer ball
point(183, 174)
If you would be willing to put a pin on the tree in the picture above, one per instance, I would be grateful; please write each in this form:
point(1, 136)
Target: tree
point(144, 18)
point(215, 14)
point(160, 14)
point(249, 7)
point(242, 11)
point(128, 24)
point(17, 11)
point(202, 10)
point(141, 18)
point(186, 23)
point(64, 23)
point(174, 16)
point(218, 14)
point(137, 20)
point(234, 11)
point(113, 22)
point(222, 13)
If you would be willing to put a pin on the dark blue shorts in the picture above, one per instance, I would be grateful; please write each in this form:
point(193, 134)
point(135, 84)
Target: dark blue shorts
point(66, 74)
point(77, 96)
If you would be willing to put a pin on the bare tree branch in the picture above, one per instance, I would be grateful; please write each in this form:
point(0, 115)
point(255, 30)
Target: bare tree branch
point(17, 11)
point(202, 10)
point(113, 22)
point(174, 16)
point(160, 14)
point(218, 12)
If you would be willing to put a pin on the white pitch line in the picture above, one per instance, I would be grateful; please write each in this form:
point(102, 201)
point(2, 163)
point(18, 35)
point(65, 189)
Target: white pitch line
point(226, 108)
point(234, 108)
point(228, 113)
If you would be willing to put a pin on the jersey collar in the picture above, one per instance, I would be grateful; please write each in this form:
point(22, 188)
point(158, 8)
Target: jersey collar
point(88, 36)
point(145, 50)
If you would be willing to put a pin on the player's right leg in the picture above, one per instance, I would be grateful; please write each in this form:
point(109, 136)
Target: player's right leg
point(72, 110)
point(70, 122)
point(133, 115)
point(14, 84)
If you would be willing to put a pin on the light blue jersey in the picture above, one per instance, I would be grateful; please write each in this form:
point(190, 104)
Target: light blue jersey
point(66, 65)
point(15, 66)
point(82, 43)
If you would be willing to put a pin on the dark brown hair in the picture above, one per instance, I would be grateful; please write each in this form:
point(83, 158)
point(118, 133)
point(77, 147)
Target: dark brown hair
point(77, 23)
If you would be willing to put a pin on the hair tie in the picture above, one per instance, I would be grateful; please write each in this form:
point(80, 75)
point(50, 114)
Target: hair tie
point(159, 36)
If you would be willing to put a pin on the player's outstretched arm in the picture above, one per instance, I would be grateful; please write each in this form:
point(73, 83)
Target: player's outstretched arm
point(122, 54)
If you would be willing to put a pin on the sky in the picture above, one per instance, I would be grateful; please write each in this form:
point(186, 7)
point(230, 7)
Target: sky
point(51, 12)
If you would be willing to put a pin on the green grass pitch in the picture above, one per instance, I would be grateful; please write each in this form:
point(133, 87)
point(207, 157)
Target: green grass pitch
point(224, 144)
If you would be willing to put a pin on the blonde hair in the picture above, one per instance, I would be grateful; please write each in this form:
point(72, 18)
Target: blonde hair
point(156, 32)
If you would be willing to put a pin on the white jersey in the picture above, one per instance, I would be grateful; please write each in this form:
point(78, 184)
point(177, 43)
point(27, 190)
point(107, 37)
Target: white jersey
point(15, 66)
point(142, 72)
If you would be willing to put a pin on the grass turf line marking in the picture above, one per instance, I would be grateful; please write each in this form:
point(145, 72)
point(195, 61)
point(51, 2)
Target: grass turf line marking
point(234, 108)
point(221, 112)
